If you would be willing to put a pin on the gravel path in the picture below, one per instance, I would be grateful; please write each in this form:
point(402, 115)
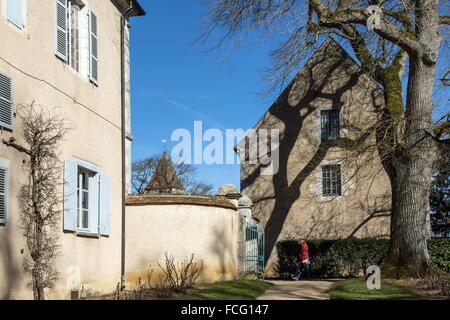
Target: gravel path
point(297, 290)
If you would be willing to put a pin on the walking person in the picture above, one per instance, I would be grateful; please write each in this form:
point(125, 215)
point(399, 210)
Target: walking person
point(303, 262)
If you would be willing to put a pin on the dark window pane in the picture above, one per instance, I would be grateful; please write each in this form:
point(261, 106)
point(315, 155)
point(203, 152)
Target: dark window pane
point(329, 120)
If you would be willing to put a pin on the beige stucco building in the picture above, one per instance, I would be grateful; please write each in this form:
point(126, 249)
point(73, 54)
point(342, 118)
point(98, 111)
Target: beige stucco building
point(329, 182)
point(72, 57)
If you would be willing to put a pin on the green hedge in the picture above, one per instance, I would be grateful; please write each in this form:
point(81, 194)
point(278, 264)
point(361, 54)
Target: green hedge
point(439, 250)
point(349, 258)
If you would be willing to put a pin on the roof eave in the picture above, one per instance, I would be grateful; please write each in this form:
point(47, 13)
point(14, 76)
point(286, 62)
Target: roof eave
point(138, 10)
point(124, 5)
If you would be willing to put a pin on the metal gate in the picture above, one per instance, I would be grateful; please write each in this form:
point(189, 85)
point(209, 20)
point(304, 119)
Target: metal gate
point(254, 249)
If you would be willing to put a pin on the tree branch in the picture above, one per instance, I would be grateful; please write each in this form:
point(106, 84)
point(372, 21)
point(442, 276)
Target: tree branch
point(444, 20)
point(404, 39)
point(11, 143)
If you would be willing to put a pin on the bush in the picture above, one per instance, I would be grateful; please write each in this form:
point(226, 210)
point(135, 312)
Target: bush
point(439, 250)
point(349, 257)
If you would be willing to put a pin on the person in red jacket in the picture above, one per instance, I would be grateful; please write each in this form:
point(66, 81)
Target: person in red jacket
point(303, 261)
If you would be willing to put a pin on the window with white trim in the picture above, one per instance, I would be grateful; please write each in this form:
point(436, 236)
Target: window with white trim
point(76, 37)
point(84, 178)
point(15, 12)
point(86, 198)
point(74, 41)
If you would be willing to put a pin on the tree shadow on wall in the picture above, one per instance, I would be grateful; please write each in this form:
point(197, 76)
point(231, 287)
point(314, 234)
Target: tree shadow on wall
point(222, 251)
point(292, 109)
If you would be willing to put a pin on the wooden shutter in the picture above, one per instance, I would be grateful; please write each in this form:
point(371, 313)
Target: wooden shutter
point(6, 106)
point(93, 48)
point(61, 34)
point(104, 205)
point(70, 195)
point(3, 194)
point(14, 12)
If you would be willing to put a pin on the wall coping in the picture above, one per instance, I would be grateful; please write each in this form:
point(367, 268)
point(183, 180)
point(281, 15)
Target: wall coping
point(149, 200)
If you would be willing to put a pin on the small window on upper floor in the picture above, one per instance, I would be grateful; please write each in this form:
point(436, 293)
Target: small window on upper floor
point(74, 43)
point(16, 12)
point(330, 124)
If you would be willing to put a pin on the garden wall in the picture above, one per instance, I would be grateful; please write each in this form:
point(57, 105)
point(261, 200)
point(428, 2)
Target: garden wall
point(207, 227)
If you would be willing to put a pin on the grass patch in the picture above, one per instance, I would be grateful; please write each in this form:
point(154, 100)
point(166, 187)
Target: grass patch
point(231, 290)
point(355, 289)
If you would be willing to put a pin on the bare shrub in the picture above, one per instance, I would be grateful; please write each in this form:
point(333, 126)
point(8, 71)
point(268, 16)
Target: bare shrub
point(175, 278)
point(180, 276)
point(435, 283)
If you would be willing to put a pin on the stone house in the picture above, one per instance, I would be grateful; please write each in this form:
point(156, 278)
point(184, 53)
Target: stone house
point(71, 56)
point(330, 183)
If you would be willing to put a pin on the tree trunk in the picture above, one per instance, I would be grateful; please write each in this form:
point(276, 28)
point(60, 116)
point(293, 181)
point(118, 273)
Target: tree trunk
point(413, 166)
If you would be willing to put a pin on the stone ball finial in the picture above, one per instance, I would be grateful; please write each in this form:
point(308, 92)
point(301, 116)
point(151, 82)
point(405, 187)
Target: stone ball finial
point(227, 189)
point(245, 201)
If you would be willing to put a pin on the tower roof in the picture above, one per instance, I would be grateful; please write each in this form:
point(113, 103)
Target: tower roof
point(164, 179)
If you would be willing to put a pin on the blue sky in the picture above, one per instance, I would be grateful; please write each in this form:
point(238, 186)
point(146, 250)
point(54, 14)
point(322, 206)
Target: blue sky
point(176, 82)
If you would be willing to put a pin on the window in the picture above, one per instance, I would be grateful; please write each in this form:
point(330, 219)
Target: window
point(76, 37)
point(74, 43)
point(6, 105)
point(330, 124)
point(84, 179)
point(331, 180)
point(86, 198)
point(15, 12)
point(3, 194)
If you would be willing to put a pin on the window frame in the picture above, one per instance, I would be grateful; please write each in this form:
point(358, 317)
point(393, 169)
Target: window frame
point(80, 197)
point(93, 208)
point(332, 180)
point(331, 126)
point(23, 15)
point(70, 30)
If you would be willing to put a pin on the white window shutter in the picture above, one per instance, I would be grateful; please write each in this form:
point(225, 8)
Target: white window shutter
point(93, 48)
point(6, 106)
point(3, 195)
point(104, 205)
point(94, 205)
point(14, 12)
point(61, 34)
point(70, 195)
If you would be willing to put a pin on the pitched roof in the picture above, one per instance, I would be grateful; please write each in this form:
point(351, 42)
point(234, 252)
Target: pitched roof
point(164, 178)
point(328, 52)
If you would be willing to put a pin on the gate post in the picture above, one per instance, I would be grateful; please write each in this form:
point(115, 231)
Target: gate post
point(245, 214)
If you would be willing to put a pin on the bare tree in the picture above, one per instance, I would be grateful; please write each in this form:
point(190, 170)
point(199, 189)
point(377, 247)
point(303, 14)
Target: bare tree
point(39, 198)
point(143, 171)
point(393, 40)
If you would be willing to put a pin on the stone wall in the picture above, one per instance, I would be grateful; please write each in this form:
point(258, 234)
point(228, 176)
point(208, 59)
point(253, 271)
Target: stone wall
point(208, 227)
